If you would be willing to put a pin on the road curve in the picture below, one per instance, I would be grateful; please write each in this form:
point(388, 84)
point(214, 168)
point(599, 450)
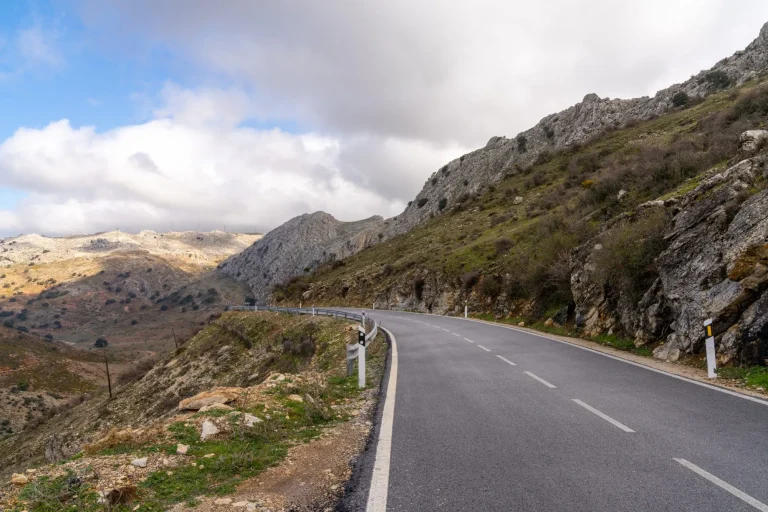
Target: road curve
point(490, 418)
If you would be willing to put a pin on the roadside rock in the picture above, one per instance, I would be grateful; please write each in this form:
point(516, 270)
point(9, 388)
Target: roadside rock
point(181, 449)
point(216, 396)
point(250, 420)
point(140, 463)
point(19, 479)
point(209, 430)
point(715, 265)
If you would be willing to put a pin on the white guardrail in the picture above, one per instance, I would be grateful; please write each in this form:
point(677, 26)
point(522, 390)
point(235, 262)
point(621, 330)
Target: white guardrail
point(356, 351)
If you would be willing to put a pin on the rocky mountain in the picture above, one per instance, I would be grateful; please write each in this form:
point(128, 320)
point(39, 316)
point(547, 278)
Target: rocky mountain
point(136, 291)
point(300, 245)
point(201, 248)
point(504, 156)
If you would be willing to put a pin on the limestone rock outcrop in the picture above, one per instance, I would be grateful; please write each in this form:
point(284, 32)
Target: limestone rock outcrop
point(303, 242)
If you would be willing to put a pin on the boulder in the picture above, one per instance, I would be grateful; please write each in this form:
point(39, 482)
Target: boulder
point(212, 397)
point(140, 463)
point(517, 200)
point(549, 322)
point(19, 479)
point(751, 140)
point(250, 420)
point(209, 430)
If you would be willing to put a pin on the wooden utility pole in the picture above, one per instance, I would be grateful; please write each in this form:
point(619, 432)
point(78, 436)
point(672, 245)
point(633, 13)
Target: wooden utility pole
point(109, 380)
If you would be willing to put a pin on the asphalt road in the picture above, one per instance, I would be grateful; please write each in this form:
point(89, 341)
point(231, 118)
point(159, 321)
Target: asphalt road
point(489, 418)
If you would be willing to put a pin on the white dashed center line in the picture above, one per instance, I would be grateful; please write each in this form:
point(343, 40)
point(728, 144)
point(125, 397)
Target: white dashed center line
point(486, 349)
point(446, 330)
point(724, 485)
point(459, 335)
point(541, 380)
point(505, 360)
point(469, 340)
point(604, 416)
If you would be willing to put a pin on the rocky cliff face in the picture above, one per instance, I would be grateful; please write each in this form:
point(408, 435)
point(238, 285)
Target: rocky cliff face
point(303, 242)
point(574, 125)
point(715, 265)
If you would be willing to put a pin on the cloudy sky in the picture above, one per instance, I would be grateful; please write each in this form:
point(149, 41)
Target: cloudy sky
point(192, 114)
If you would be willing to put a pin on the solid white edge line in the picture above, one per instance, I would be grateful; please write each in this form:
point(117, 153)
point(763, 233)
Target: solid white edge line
point(541, 380)
point(604, 416)
point(469, 340)
point(377, 494)
point(482, 347)
point(505, 360)
point(724, 485)
point(639, 365)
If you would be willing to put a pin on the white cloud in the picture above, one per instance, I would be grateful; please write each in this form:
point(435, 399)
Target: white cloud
point(390, 91)
point(181, 169)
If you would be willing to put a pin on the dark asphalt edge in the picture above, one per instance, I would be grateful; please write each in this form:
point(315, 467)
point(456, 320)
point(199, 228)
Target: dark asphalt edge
point(355, 496)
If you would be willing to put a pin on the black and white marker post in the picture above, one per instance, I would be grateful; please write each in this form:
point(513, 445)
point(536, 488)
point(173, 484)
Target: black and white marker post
point(710, 347)
point(361, 354)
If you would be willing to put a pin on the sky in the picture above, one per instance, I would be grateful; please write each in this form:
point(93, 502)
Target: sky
point(239, 115)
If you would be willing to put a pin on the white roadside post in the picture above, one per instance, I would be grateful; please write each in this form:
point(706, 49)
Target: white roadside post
point(313, 310)
point(361, 357)
point(710, 346)
point(465, 308)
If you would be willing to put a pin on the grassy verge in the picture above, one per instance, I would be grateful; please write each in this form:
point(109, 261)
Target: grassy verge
point(754, 376)
point(607, 340)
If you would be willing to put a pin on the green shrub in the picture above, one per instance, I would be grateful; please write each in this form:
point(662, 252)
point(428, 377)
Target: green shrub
point(717, 79)
point(421, 202)
point(442, 203)
point(680, 99)
point(626, 261)
point(522, 143)
point(490, 286)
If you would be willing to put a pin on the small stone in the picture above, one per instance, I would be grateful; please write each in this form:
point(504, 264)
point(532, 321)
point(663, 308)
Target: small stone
point(334, 487)
point(550, 322)
point(169, 473)
point(621, 194)
point(518, 200)
point(209, 455)
point(19, 479)
point(223, 501)
point(240, 504)
point(250, 420)
point(181, 449)
point(201, 466)
point(140, 463)
point(521, 324)
point(209, 430)
point(31, 471)
point(295, 398)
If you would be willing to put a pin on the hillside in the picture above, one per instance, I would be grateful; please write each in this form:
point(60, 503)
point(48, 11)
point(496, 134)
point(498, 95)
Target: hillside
point(298, 246)
point(38, 378)
point(284, 380)
point(135, 291)
point(637, 234)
